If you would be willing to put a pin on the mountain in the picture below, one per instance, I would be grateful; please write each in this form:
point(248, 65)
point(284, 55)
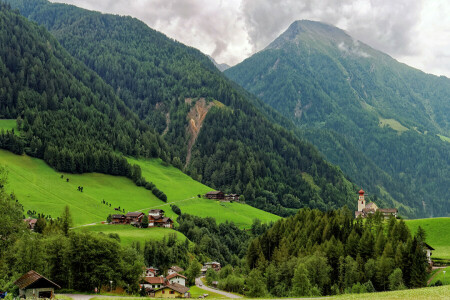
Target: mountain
point(221, 67)
point(380, 120)
point(66, 113)
point(214, 131)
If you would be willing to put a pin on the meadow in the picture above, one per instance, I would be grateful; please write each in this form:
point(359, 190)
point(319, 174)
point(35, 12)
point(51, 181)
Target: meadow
point(438, 237)
point(40, 188)
point(129, 234)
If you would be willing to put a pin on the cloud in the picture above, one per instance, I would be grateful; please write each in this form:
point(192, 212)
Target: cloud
point(415, 32)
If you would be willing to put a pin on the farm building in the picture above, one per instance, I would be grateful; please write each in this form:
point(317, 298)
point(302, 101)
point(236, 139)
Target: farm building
point(365, 210)
point(215, 195)
point(118, 219)
point(33, 285)
point(156, 213)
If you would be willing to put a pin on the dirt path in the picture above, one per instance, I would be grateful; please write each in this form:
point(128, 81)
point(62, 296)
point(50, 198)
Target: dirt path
point(432, 277)
point(199, 283)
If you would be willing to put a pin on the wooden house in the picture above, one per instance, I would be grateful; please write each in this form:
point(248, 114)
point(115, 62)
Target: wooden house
point(134, 218)
point(172, 291)
point(118, 219)
point(232, 197)
point(32, 285)
point(218, 195)
point(213, 265)
point(155, 213)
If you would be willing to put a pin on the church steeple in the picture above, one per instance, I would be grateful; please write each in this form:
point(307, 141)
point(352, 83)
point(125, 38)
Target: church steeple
point(361, 201)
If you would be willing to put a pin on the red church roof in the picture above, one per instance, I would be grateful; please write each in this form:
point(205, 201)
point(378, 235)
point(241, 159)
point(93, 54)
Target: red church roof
point(361, 191)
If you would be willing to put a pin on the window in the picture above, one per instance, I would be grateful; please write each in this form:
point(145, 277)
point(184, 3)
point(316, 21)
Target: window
point(163, 291)
point(172, 292)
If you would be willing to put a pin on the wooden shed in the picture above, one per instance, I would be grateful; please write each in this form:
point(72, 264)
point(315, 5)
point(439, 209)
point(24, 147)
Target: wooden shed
point(215, 195)
point(33, 285)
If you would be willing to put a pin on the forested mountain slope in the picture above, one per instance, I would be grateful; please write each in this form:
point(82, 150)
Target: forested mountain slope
point(375, 110)
point(66, 113)
point(215, 132)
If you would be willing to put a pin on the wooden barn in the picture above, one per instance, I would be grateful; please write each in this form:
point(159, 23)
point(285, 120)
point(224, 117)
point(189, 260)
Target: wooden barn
point(34, 285)
point(218, 195)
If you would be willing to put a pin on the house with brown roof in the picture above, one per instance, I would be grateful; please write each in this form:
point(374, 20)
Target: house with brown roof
point(34, 285)
point(177, 278)
point(156, 213)
point(118, 219)
point(172, 291)
point(364, 210)
point(134, 218)
point(153, 282)
point(174, 269)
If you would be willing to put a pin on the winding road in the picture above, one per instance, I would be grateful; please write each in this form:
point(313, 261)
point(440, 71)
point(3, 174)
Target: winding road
point(199, 283)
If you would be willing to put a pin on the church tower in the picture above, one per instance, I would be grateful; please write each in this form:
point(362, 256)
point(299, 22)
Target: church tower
point(361, 201)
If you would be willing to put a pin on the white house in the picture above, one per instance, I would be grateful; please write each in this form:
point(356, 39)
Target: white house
point(177, 278)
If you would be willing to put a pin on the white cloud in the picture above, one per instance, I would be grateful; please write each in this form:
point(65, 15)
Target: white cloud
point(415, 32)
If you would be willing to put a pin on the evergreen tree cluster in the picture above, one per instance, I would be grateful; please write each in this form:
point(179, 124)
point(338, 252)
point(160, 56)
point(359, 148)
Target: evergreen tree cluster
point(66, 114)
point(316, 253)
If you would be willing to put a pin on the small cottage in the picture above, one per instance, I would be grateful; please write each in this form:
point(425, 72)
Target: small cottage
point(213, 265)
point(31, 223)
point(172, 291)
point(427, 248)
point(34, 285)
point(156, 213)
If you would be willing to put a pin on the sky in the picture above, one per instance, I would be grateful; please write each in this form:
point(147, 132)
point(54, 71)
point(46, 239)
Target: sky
point(415, 32)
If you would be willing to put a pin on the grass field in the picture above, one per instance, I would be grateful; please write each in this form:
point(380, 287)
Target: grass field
point(129, 234)
point(182, 190)
point(444, 138)
point(196, 292)
point(8, 124)
point(438, 236)
point(40, 188)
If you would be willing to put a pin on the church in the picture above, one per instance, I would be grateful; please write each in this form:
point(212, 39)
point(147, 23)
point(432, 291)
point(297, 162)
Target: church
point(364, 210)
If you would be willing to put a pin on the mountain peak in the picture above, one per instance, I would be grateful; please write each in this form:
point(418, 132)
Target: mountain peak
point(306, 30)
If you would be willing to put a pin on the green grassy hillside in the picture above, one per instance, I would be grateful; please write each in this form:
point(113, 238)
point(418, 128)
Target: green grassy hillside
point(183, 191)
point(129, 234)
point(40, 188)
point(438, 236)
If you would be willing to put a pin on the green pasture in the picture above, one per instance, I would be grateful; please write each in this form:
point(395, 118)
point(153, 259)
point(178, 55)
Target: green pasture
point(39, 187)
point(129, 234)
point(442, 292)
point(438, 236)
point(183, 191)
point(444, 138)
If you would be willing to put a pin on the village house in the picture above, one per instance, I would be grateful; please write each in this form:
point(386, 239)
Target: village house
point(428, 250)
point(172, 291)
point(118, 219)
point(153, 283)
point(134, 218)
point(31, 223)
point(365, 210)
point(177, 278)
point(156, 219)
point(212, 265)
point(232, 197)
point(150, 272)
point(32, 285)
point(218, 195)
point(174, 270)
